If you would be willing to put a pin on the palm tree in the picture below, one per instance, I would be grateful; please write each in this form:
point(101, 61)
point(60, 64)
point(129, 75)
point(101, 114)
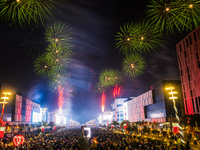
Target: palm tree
point(115, 123)
point(7, 125)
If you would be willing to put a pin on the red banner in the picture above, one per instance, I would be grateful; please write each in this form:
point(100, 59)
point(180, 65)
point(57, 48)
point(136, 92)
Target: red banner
point(175, 130)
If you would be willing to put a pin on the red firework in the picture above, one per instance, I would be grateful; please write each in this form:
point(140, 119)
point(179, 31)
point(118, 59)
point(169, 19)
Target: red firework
point(61, 98)
point(103, 102)
point(116, 91)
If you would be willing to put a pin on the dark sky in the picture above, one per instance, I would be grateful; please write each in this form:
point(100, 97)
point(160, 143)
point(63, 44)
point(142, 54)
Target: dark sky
point(94, 25)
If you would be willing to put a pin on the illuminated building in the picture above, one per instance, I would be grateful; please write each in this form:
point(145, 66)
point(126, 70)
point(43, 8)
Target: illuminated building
point(154, 105)
point(118, 109)
point(8, 111)
point(105, 117)
point(91, 123)
point(188, 54)
point(137, 104)
point(74, 123)
point(18, 109)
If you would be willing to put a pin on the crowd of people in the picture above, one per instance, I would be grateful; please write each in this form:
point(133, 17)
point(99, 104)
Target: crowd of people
point(72, 139)
point(64, 139)
point(116, 141)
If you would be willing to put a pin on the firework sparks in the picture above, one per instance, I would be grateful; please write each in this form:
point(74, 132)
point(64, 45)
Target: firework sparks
point(103, 102)
point(170, 16)
point(24, 12)
point(43, 66)
point(133, 65)
point(61, 98)
point(116, 91)
point(59, 33)
point(136, 37)
point(110, 77)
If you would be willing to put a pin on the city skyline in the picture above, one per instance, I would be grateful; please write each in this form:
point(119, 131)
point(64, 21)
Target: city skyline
point(94, 26)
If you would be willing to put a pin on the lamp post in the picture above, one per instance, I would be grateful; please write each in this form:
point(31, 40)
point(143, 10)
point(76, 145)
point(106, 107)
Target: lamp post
point(4, 102)
point(175, 109)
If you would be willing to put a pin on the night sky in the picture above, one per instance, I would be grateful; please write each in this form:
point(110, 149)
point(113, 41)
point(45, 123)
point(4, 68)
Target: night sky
point(94, 25)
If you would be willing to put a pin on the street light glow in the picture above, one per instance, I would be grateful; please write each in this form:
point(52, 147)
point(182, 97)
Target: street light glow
point(172, 92)
point(170, 88)
point(173, 97)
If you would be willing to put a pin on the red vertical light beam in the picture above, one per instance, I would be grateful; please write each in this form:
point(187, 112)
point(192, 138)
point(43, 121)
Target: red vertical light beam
point(103, 102)
point(61, 98)
point(116, 91)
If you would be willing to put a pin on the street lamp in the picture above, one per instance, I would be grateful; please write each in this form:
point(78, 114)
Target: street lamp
point(4, 102)
point(175, 109)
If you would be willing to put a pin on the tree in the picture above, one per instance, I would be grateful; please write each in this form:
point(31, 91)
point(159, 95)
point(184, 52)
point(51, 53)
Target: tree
point(124, 122)
point(115, 123)
point(7, 125)
point(146, 129)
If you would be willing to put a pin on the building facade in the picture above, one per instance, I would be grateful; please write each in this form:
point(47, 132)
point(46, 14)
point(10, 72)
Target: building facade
point(151, 106)
point(105, 117)
point(136, 106)
point(188, 54)
point(117, 108)
point(18, 108)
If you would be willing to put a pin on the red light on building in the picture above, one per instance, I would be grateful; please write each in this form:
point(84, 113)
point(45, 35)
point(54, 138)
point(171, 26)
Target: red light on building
point(188, 55)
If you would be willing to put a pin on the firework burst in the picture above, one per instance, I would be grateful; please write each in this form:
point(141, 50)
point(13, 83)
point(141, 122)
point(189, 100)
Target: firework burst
point(133, 65)
point(99, 87)
point(169, 16)
point(59, 55)
point(190, 13)
point(59, 33)
point(43, 66)
point(24, 12)
point(137, 37)
point(125, 37)
point(110, 77)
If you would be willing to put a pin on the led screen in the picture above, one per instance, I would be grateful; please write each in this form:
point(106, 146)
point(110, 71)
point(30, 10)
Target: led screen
point(58, 119)
point(89, 131)
point(36, 117)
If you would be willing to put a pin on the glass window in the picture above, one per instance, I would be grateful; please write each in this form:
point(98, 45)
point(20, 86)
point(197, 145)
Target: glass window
point(186, 106)
point(121, 115)
point(198, 63)
point(185, 54)
point(184, 44)
point(180, 48)
point(197, 106)
point(191, 93)
point(187, 43)
point(195, 37)
point(190, 40)
point(197, 54)
point(193, 105)
point(188, 77)
point(187, 70)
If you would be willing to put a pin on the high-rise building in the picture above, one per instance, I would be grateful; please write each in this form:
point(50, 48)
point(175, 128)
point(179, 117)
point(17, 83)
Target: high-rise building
point(105, 117)
point(188, 53)
point(155, 105)
point(118, 109)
